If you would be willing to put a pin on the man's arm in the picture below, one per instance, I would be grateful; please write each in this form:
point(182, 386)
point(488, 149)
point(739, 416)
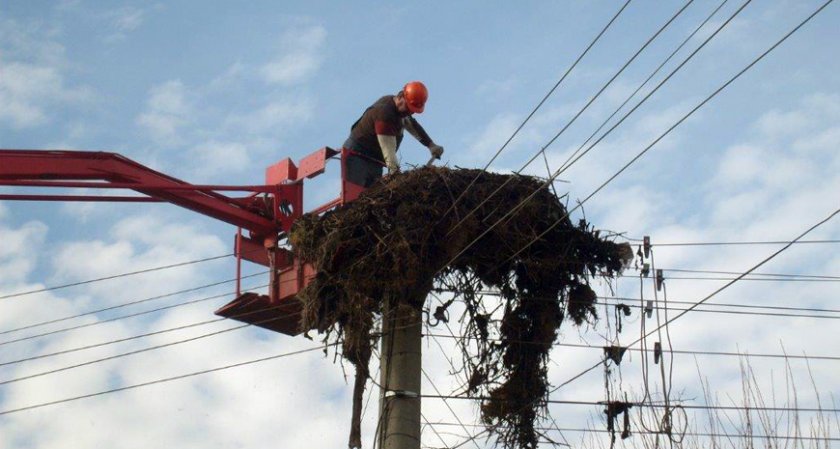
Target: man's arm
point(413, 127)
point(389, 151)
point(386, 134)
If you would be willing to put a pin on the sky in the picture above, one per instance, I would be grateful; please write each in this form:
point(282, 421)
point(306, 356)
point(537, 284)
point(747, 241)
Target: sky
point(214, 92)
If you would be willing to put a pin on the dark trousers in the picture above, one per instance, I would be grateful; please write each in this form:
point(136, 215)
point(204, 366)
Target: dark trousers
point(361, 170)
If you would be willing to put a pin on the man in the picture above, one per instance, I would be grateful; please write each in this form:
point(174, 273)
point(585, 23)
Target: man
point(377, 134)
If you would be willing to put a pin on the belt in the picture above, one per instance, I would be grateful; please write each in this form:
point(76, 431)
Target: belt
point(350, 145)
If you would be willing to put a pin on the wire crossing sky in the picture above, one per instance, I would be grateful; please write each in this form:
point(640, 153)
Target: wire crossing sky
point(213, 92)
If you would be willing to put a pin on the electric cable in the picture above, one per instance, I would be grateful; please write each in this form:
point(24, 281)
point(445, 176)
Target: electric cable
point(740, 312)
point(164, 380)
point(782, 275)
point(131, 303)
point(674, 351)
point(691, 434)
point(656, 141)
point(114, 276)
point(680, 121)
point(765, 260)
point(618, 299)
point(692, 278)
point(770, 242)
point(651, 404)
point(789, 244)
point(643, 84)
point(451, 410)
point(155, 347)
point(557, 173)
point(539, 105)
point(569, 123)
point(733, 305)
point(121, 340)
point(110, 320)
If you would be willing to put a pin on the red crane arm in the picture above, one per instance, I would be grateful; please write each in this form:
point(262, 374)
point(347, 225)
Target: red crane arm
point(38, 168)
point(266, 217)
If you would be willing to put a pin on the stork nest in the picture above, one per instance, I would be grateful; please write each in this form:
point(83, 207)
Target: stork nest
point(402, 239)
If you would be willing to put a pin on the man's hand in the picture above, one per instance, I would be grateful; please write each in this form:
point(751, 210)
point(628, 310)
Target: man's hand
point(436, 150)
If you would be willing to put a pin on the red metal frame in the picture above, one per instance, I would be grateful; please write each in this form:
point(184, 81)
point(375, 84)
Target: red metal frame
point(267, 213)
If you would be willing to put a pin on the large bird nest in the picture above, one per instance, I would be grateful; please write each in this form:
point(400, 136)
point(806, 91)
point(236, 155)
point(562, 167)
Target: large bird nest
point(402, 238)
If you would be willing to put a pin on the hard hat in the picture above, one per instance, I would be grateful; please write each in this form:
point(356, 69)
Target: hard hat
point(415, 94)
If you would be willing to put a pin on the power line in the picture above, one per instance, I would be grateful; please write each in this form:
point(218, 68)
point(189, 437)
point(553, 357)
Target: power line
point(694, 278)
point(686, 116)
point(729, 312)
point(164, 380)
point(120, 340)
point(569, 123)
point(111, 342)
point(740, 312)
point(664, 350)
point(770, 242)
point(765, 260)
point(109, 320)
point(647, 432)
point(723, 304)
point(114, 276)
point(539, 105)
point(643, 84)
point(618, 300)
point(652, 144)
point(455, 415)
point(788, 275)
point(651, 405)
point(153, 348)
point(557, 173)
point(119, 306)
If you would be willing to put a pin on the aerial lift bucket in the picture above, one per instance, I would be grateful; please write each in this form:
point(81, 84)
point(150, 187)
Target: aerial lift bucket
point(280, 309)
point(260, 310)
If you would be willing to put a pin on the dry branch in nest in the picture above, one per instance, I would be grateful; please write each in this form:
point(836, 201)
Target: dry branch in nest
point(399, 239)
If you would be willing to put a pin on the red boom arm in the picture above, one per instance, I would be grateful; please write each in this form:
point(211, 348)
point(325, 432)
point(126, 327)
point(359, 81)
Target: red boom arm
point(265, 217)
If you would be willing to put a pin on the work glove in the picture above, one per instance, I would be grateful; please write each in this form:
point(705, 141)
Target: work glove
point(436, 150)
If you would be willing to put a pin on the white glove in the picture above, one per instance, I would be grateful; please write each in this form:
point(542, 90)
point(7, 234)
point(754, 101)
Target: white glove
point(436, 150)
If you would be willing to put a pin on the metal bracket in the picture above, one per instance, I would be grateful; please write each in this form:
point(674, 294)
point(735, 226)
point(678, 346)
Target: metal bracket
point(660, 279)
point(401, 394)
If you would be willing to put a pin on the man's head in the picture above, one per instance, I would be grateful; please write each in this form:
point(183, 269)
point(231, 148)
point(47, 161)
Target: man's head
point(412, 99)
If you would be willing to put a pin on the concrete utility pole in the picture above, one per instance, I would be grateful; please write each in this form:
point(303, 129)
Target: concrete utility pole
point(400, 360)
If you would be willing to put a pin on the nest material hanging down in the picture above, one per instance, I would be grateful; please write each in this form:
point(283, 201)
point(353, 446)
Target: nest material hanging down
point(399, 239)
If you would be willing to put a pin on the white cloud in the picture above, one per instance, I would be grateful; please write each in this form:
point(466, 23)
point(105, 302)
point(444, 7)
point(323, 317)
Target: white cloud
point(136, 243)
point(127, 18)
point(17, 260)
point(214, 157)
point(23, 89)
point(484, 144)
point(275, 115)
point(741, 164)
point(229, 77)
point(494, 89)
point(31, 76)
point(300, 56)
point(167, 110)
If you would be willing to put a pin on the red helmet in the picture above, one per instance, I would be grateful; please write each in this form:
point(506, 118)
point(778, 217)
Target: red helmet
point(415, 94)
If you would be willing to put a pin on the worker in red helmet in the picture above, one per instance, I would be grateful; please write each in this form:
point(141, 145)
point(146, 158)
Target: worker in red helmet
point(377, 134)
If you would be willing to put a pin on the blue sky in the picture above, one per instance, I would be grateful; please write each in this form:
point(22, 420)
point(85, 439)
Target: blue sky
point(216, 91)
